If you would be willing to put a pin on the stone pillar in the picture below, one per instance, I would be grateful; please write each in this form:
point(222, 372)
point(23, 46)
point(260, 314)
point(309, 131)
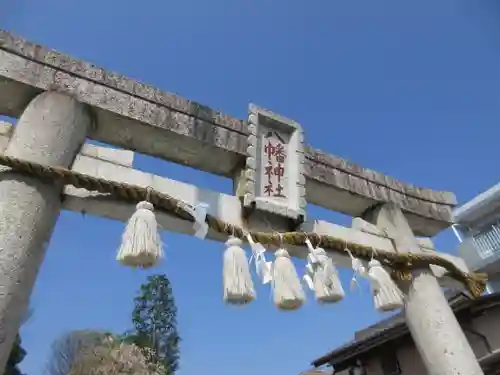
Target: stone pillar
point(435, 330)
point(50, 131)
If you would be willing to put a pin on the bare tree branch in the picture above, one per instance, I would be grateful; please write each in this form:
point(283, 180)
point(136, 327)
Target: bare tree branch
point(98, 353)
point(117, 358)
point(67, 349)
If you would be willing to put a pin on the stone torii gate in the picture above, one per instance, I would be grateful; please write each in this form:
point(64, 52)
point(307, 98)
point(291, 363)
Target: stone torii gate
point(61, 101)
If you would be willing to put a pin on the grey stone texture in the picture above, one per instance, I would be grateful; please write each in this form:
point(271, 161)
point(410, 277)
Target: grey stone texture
point(146, 119)
point(434, 328)
point(50, 131)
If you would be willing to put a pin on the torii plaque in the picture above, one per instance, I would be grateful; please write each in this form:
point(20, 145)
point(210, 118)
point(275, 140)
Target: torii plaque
point(274, 177)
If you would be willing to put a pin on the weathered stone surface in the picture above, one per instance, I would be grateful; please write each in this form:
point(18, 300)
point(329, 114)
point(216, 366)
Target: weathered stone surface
point(142, 118)
point(90, 72)
point(437, 334)
point(50, 131)
point(334, 162)
point(124, 120)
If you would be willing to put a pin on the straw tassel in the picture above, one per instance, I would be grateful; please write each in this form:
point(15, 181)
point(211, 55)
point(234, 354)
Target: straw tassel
point(238, 284)
point(287, 288)
point(386, 294)
point(141, 244)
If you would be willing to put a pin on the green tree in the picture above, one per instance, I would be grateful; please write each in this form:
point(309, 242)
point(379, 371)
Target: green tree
point(17, 352)
point(16, 356)
point(155, 322)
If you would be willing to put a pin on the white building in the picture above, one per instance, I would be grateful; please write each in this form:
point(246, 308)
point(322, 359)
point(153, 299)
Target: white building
point(477, 226)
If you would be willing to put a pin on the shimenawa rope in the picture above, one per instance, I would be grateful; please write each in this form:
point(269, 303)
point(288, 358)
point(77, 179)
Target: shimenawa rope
point(401, 263)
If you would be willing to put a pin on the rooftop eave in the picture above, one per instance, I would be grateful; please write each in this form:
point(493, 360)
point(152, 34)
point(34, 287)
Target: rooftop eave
point(357, 348)
point(477, 207)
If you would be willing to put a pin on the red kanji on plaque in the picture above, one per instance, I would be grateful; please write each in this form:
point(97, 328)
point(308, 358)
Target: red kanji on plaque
point(274, 168)
point(279, 191)
point(270, 150)
point(279, 153)
point(269, 172)
point(268, 189)
point(279, 171)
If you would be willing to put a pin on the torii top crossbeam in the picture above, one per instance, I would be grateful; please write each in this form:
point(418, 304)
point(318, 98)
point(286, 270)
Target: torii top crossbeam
point(136, 116)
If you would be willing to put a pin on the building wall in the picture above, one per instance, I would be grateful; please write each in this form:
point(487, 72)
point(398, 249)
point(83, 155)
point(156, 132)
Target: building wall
point(488, 324)
point(410, 363)
point(481, 252)
point(409, 360)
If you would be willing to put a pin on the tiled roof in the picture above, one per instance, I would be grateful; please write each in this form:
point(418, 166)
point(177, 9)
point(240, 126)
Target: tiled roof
point(388, 330)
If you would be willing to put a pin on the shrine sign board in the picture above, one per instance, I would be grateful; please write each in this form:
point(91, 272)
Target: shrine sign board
point(274, 171)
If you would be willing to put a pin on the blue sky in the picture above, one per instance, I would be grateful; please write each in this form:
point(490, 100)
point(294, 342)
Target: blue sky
point(411, 89)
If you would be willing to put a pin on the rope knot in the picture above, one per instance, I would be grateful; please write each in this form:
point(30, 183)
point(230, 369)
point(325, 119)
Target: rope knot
point(282, 253)
point(320, 254)
point(144, 205)
point(374, 263)
point(234, 241)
